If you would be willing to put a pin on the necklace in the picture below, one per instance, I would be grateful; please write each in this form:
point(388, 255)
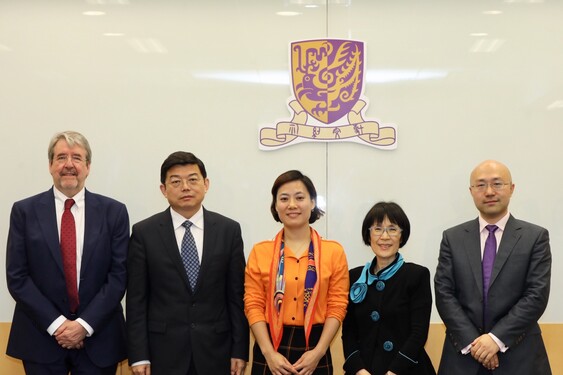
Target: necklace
point(297, 247)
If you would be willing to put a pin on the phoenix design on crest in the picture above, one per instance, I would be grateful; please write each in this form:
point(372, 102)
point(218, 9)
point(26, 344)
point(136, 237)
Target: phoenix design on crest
point(327, 77)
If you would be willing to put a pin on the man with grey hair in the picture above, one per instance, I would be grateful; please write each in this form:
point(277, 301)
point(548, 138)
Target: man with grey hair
point(66, 270)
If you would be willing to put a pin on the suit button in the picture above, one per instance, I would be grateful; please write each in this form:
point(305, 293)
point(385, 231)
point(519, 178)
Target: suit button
point(193, 325)
point(374, 316)
point(380, 285)
point(387, 346)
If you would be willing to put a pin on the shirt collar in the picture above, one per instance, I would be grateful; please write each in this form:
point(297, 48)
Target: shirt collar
point(501, 224)
point(78, 198)
point(196, 219)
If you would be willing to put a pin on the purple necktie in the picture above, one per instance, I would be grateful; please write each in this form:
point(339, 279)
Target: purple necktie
point(489, 255)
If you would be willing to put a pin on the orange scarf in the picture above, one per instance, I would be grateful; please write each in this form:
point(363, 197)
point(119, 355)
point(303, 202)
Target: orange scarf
point(275, 315)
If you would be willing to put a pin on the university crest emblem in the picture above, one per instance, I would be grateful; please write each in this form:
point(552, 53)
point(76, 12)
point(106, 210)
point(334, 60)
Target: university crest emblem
point(327, 104)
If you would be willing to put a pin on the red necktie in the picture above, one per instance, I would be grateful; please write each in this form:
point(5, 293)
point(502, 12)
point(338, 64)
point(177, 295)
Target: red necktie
point(68, 250)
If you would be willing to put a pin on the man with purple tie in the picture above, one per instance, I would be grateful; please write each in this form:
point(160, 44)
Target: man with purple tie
point(492, 285)
point(66, 269)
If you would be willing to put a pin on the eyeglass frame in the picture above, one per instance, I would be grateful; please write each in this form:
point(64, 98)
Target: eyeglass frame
point(178, 182)
point(62, 159)
point(386, 230)
point(496, 186)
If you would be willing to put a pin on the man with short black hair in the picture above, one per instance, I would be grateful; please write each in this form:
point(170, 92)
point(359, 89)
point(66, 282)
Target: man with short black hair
point(186, 264)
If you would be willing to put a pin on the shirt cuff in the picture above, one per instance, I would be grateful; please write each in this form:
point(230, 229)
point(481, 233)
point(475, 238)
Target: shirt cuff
point(503, 348)
point(87, 327)
point(466, 350)
point(55, 325)
point(138, 363)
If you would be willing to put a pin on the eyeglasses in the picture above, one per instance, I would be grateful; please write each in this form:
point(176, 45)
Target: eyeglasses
point(74, 159)
point(391, 231)
point(496, 186)
point(177, 182)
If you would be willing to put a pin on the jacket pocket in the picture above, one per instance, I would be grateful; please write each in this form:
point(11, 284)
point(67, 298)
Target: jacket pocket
point(157, 327)
point(222, 327)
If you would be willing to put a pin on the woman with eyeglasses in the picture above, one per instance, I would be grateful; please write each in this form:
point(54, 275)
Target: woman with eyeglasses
point(390, 301)
point(296, 286)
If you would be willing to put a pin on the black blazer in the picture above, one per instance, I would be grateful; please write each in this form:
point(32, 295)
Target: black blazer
point(167, 323)
point(388, 329)
point(518, 296)
point(36, 279)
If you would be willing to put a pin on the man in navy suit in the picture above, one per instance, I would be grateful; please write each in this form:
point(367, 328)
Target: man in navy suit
point(178, 322)
point(68, 315)
point(493, 329)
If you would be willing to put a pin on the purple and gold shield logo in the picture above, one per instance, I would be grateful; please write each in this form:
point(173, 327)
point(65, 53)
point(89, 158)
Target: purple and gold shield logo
point(327, 78)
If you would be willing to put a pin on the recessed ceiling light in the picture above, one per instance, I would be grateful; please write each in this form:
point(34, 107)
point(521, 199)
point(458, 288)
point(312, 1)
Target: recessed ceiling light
point(478, 34)
point(492, 12)
point(288, 14)
point(113, 34)
point(104, 2)
point(93, 13)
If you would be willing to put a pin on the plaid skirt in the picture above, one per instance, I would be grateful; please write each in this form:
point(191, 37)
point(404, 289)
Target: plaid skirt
point(292, 347)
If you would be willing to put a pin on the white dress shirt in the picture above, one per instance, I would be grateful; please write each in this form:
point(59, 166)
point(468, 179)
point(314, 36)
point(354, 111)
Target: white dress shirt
point(78, 211)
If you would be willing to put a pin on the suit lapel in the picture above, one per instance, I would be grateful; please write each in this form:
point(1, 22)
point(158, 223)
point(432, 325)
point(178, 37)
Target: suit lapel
point(509, 239)
point(472, 246)
point(47, 218)
point(170, 246)
point(209, 245)
point(93, 222)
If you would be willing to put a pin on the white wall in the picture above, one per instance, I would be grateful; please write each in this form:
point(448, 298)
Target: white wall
point(203, 76)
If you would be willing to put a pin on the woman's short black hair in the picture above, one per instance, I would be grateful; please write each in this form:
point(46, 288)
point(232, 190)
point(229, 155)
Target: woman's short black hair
point(291, 176)
point(394, 213)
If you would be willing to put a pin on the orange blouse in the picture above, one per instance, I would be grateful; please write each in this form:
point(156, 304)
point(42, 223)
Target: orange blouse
point(333, 284)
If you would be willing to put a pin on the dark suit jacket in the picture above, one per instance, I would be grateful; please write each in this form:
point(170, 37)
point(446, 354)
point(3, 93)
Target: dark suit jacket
point(167, 323)
point(399, 314)
point(518, 296)
point(36, 279)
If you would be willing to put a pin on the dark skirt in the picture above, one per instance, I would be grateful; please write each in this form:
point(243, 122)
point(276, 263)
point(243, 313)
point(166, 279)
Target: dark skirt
point(292, 347)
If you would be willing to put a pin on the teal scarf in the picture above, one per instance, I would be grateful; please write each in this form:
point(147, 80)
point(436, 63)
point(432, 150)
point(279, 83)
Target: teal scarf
point(359, 288)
